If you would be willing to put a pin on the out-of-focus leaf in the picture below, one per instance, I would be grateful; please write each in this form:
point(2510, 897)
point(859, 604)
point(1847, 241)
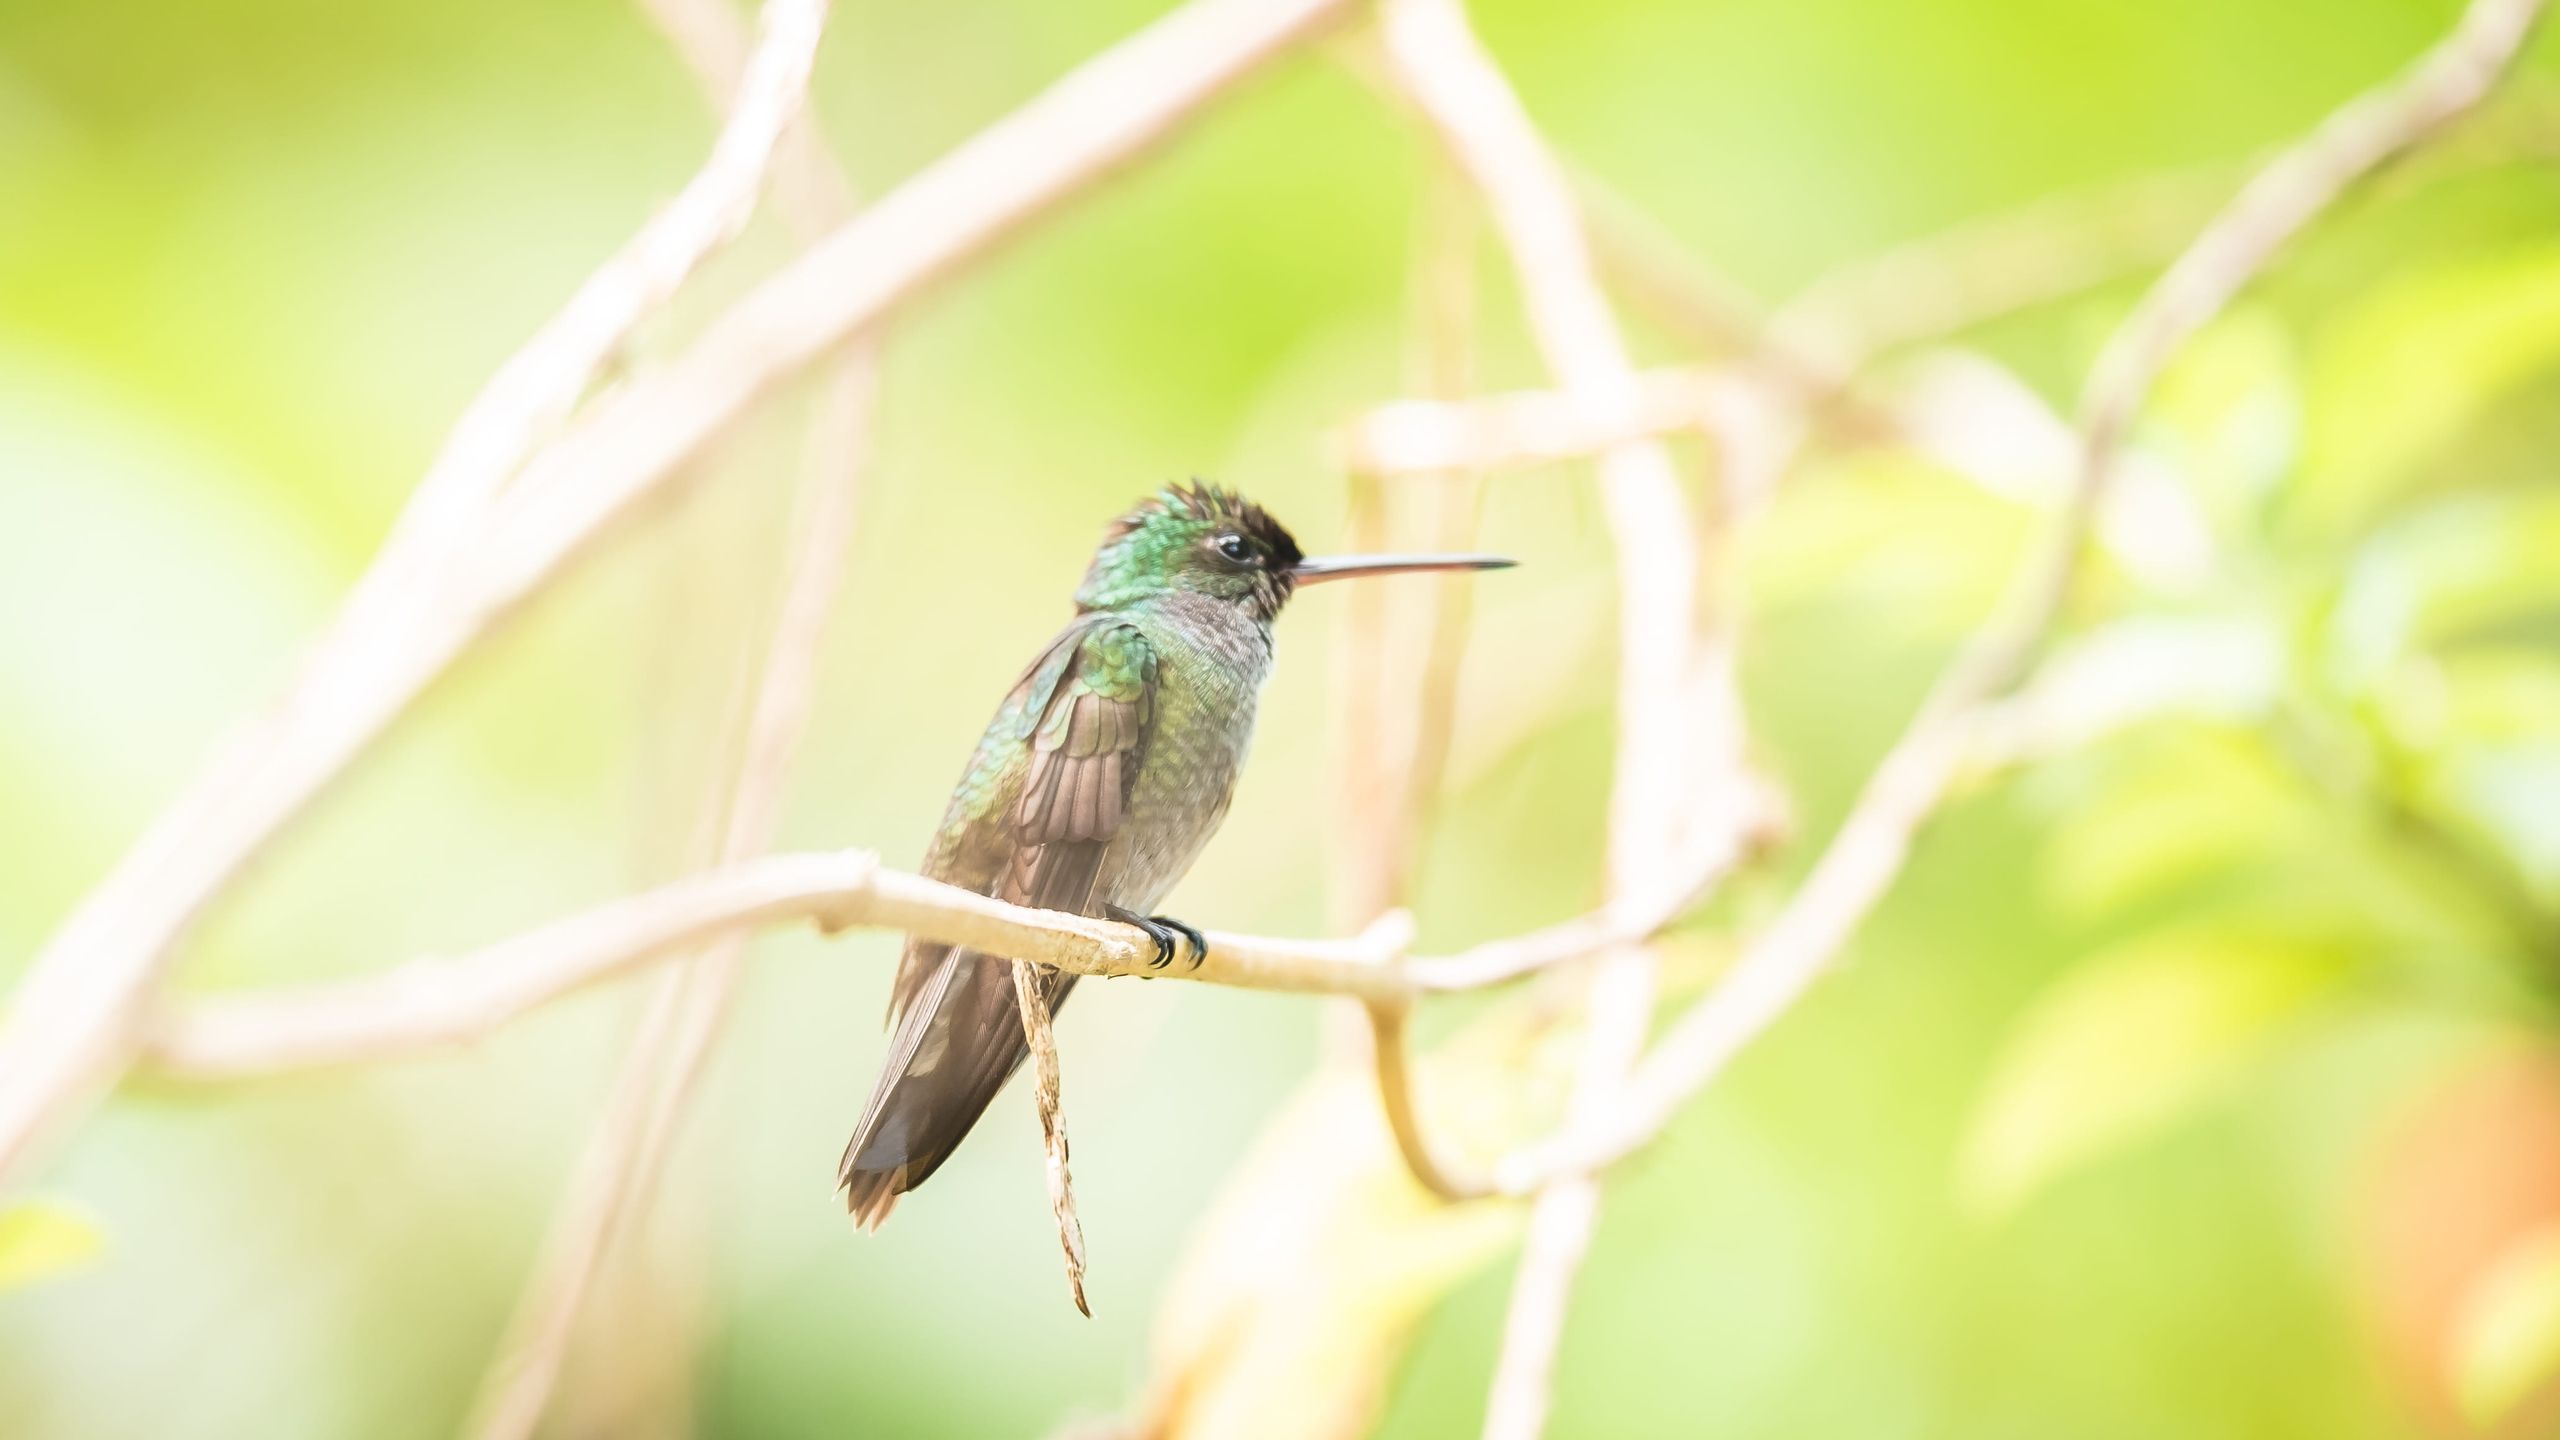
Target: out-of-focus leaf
point(2209, 667)
point(2494, 694)
point(2465, 565)
point(2413, 367)
point(2228, 415)
point(2511, 794)
point(1296, 1296)
point(1504, 716)
point(2484, 725)
point(2201, 802)
point(1977, 418)
point(43, 1238)
point(2126, 1044)
point(2505, 1341)
point(1888, 533)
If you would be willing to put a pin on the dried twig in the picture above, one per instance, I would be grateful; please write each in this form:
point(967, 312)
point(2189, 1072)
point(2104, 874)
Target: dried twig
point(1034, 1004)
point(71, 1025)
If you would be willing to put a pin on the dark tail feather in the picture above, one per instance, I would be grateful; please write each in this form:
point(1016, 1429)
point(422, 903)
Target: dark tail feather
point(952, 1051)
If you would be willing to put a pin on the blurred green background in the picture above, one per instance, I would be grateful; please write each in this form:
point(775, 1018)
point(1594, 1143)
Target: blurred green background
point(2198, 1080)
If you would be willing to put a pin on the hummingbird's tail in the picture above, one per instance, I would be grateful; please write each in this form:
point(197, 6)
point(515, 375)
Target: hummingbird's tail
point(954, 1046)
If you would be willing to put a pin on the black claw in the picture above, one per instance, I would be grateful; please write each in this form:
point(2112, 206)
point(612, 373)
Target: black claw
point(1190, 932)
point(1155, 931)
point(1162, 929)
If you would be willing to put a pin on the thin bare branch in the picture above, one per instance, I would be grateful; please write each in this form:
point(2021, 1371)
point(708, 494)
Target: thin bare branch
point(1368, 826)
point(1525, 427)
point(1947, 283)
point(1442, 359)
point(626, 1151)
point(1867, 852)
point(71, 1026)
point(1931, 289)
point(535, 389)
point(1102, 115)
point(1438, 61)
point(1669, 283)
point(628, 1147)
point(1398, 687)
point(1809, 349)
point(1441, 65)
point(1392, 1054)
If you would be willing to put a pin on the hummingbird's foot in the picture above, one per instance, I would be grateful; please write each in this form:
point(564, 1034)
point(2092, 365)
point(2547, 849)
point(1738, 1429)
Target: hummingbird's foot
point(1162, 929)
point(1190, 932)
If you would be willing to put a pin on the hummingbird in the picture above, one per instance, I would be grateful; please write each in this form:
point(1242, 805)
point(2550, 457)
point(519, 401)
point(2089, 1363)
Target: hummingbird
point(1099, 781)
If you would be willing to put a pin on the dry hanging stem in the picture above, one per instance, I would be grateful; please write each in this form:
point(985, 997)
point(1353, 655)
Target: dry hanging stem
point(1031, 997)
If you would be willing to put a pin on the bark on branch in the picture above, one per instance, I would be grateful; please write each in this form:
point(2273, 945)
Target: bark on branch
point(432, 1004)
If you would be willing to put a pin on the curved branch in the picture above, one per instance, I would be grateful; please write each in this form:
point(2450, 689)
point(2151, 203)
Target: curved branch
point(1392, 1054)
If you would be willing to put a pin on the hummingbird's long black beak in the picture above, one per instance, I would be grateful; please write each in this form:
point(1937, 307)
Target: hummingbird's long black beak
point(1345, 567)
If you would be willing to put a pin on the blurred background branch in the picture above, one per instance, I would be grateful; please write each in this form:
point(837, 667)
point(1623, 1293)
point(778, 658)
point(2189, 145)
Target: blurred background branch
point(1872, 843)
point(72, 1015)
point(627, 1152)
point(1438, 63)
point(413, 611)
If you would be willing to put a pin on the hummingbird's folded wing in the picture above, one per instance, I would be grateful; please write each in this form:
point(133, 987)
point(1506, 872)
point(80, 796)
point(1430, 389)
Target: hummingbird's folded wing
point(1085, 754)
point(1090, 705)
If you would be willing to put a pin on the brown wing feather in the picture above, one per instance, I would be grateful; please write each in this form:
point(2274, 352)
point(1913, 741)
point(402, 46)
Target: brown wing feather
point(958, 1033)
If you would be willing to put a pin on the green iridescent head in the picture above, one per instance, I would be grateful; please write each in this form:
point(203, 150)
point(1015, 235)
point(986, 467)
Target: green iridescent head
point(1200, 540)
point(1195, 538)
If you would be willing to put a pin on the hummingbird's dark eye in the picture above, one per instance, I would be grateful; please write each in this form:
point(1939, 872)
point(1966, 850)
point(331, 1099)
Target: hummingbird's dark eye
point(1234, 548)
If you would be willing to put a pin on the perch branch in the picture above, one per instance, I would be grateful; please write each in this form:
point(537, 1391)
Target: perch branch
point(71, 1026)
point(435, 1004)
